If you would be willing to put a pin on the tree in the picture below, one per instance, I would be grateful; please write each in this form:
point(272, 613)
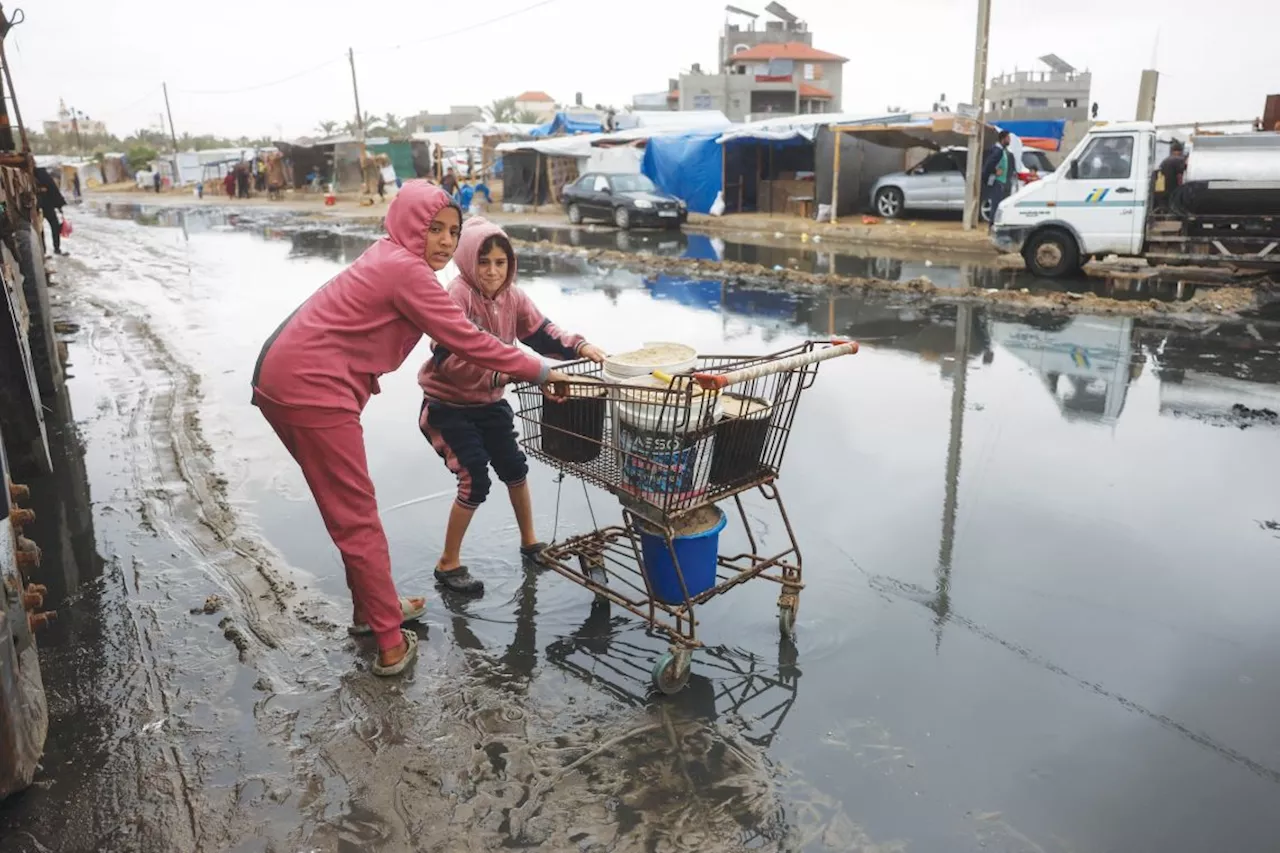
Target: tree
point(327, 128)
point(525, 117)
point(502, 110)
point(139, 156)
point(393, 123)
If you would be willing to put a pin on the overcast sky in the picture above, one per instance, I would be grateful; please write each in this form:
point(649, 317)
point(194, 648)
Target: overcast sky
point(107, 58)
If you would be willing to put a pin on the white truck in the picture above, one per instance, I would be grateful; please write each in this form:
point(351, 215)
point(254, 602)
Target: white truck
point(1102, 201)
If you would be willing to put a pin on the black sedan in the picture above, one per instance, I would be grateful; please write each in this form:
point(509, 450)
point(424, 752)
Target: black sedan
point(625, 200)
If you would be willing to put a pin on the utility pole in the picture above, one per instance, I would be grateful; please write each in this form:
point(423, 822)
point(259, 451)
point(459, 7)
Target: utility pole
point(351, 57)
point(75, 126)
point(973, 182)
point(173, 136)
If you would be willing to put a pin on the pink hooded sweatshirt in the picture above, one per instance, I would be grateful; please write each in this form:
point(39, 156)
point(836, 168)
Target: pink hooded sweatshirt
point(323, 363)
point(509, 315)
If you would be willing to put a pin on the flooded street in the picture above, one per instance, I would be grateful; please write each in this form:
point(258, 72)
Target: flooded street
point(1039, 564)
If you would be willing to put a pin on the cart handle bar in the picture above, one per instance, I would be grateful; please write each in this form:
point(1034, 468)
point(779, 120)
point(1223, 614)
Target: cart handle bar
point(717, 381)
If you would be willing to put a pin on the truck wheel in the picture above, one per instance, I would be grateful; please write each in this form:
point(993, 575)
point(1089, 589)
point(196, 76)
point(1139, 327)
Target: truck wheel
point(1052, 254)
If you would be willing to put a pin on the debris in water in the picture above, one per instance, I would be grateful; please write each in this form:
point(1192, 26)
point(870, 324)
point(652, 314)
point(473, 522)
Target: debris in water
point(211, 605)
point(1242, 411)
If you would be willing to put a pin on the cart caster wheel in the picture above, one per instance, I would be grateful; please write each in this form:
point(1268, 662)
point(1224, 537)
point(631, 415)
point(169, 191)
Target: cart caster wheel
point(787, 622)
point(671, 672)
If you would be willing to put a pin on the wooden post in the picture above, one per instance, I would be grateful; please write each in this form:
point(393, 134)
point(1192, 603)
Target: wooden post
point(537, 179)
point(835, 177)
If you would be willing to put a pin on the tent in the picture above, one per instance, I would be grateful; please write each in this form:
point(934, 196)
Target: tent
point(689, 166)
point(565, 123)
point(1044, 134)
point(862, 163)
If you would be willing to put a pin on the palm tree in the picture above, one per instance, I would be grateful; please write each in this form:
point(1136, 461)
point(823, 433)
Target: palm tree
point(525, 117)
point(502, 110)
point(393, 124)
point(327, 128)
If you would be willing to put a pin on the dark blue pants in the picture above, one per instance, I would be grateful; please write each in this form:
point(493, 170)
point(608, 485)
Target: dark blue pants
point(471, 438)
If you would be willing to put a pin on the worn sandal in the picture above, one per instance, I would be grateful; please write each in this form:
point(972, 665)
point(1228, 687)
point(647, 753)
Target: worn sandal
point(410, 652)
point(407, 611)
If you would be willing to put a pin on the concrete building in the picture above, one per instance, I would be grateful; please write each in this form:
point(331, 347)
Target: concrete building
point(457, 118)
point(539, 104)
point(1061, 92)
point(768, 80)
point(69, 120)
point(763, 72)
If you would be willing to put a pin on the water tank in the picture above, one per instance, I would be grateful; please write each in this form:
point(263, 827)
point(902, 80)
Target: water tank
point(1237, 157)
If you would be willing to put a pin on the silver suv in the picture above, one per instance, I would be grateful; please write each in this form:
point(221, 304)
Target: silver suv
point(937, 183)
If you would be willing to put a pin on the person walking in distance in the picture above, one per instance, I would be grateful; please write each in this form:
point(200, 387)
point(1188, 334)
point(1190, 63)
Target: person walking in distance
point(50, 201)
point(317, 371)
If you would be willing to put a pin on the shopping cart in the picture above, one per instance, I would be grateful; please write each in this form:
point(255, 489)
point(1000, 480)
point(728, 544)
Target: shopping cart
point(672, 449)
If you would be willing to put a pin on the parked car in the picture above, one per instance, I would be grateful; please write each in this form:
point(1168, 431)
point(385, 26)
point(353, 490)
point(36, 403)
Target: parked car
point(938, 181)
point(625, 200)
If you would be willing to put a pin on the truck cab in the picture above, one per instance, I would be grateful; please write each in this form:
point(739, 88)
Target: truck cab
point(1094, 204)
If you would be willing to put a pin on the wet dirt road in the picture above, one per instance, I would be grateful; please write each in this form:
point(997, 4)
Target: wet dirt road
point(1037, 615)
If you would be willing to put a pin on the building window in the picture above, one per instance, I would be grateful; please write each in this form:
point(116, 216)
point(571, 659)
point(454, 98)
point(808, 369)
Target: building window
point(1037, 102)
point(740, 69)
point(702, 102)
point(1070, 103)
point(809, 72)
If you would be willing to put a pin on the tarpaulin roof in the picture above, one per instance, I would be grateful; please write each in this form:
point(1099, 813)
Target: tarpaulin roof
point(569, 123)
point(684, 119)
point(672, 123)
point(556, 146)
point(930, 130)
point(794, 128)
point(1044, 134)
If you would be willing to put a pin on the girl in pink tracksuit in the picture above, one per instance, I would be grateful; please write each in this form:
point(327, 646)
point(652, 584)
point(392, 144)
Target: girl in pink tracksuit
point(317, 371)
point(463, 414)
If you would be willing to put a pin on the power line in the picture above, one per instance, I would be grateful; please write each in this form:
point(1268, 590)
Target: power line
point(438, 36)
point(266, 85)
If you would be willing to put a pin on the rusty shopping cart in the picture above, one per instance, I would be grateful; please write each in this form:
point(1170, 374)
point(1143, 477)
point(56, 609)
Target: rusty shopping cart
point(672, 449)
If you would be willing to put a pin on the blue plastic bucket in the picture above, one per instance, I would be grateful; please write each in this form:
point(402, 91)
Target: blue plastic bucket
point(697, 554)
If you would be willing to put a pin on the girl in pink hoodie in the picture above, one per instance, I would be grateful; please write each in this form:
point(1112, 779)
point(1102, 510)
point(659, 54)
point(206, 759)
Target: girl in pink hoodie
point(463, 414)
point(319, 368)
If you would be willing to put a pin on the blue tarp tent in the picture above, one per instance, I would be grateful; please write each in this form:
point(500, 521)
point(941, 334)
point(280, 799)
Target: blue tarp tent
point(689, 167)
point(569, 123)
point(1045, 134)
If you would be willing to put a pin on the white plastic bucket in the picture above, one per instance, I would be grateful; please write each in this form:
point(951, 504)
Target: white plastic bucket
point(678, 358)
point(656, 435)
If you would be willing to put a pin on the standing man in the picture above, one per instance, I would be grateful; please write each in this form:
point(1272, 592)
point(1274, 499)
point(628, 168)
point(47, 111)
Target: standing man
point(1173, 168)
point(75, 183)
point(50, 200)
point(155, 178)
point(997, 175)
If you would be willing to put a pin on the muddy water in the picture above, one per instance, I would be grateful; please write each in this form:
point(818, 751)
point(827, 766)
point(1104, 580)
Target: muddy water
point(1037, 613)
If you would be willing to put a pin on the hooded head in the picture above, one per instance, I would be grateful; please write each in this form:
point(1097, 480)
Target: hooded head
point(474, 234)
point(411, 213)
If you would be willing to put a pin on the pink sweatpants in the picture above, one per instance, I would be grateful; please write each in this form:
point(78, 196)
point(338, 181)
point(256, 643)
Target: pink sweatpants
point(333, 462)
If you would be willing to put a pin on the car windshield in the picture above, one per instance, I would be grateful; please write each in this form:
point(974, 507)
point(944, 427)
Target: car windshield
point(632, 184)
point(1037, 160)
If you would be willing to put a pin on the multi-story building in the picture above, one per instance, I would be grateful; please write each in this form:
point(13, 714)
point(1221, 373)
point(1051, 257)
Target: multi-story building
point(765, 72)
point(69, 121)
point(1062, 92)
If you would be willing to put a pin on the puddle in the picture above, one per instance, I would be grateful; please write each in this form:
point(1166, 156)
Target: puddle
point(1037, 559)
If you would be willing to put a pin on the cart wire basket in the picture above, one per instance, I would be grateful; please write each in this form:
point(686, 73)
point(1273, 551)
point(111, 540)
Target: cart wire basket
point(671, 448)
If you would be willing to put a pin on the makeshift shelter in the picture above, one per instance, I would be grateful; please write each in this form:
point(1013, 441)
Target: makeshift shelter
point(568, 124)
point(928, 130)
point(862, 163)
point(115, 169)
point(689, 166)
point(302, 158)
point(535, 171)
